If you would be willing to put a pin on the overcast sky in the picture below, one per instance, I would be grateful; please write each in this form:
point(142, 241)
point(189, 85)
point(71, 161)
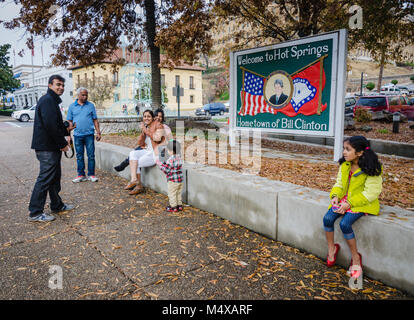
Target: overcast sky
point(17, 39)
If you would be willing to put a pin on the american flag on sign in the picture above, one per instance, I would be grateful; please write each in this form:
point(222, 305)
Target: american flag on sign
point(308, 85)
point(252, 94)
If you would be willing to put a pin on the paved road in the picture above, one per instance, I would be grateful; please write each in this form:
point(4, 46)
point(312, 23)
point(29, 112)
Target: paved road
point(114, 246)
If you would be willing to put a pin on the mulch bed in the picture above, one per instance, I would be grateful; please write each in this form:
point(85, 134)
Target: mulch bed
point(383, 131)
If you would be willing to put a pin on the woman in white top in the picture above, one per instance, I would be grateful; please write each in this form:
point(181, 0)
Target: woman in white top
point(152, 135)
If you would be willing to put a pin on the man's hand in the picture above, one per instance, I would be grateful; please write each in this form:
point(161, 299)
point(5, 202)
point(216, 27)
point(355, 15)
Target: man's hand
point(71, 126)
point(68, 139)
point(65, 149)
point(98, 136)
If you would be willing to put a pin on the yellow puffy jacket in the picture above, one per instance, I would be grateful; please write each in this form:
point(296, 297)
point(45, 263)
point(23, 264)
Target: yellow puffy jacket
point(363, 190)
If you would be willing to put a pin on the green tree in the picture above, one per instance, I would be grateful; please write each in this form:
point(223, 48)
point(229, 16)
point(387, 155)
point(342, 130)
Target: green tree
point(388, 29)
point(412, 78)
point(394, 82)
point(92, 30)
point(7, 82)
point(370, 86)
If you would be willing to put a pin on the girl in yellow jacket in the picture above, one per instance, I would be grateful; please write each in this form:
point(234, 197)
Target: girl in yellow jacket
point(355, 194)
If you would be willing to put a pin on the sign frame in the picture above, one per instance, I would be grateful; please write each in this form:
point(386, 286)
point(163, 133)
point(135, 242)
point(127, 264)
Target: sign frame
point(337, 89)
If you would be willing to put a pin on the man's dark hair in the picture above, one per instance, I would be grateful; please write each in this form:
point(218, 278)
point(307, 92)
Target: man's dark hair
point(57, 77)
point(174, 146)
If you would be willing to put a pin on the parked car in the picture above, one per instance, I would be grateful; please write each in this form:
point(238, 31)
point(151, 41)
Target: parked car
point(406, 89)
point(390, 90)
point(391, 104)
point(349, 106)
point(211, 109)
point(25, 114)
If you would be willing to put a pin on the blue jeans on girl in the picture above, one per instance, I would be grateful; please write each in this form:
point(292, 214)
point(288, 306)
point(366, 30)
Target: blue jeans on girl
point(345, 224)
point(80, 143)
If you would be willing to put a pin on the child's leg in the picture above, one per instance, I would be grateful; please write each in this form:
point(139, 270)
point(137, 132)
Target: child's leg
point(328, 223)
point(346, 227)
point(172, 194)
point(179, 197)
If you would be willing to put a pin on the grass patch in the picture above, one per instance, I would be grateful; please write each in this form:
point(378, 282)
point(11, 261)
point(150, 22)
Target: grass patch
point(385, 131)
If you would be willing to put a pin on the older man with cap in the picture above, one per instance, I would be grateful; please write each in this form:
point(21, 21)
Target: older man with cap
point(82, 115)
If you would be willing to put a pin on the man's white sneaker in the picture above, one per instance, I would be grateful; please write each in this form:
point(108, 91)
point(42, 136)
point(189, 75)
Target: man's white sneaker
point(79, 179)
point(93, 178)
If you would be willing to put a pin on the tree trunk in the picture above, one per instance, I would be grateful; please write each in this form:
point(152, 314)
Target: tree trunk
point(150, 26)
point(382, 63)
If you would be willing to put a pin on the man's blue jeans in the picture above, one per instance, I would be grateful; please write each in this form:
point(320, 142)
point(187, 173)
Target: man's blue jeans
point(80, 143)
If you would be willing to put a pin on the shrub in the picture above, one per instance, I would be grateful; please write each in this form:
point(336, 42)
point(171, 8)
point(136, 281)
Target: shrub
point(394, 82)
point(362, 115)
point(412, 78)
point(6, 112)
point(370, 86)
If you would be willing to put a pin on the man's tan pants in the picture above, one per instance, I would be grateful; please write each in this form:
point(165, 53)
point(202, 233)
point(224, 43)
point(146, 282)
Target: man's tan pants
point(174, 193)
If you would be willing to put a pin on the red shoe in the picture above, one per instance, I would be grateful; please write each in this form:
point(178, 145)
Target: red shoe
point(171, 209)
point(180, 208)
point(332, 263)
point(355, 272)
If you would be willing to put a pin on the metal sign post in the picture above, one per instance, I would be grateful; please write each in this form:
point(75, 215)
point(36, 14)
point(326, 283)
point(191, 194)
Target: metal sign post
point(180, 92)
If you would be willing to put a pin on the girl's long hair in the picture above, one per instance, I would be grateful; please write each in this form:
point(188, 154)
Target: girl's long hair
point(156, 112)
point(368, 162)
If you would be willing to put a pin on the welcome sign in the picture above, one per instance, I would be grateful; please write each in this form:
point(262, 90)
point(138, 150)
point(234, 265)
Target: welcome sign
point(292, 87)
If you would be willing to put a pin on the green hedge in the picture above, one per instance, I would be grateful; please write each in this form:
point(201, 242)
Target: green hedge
point(6, 112)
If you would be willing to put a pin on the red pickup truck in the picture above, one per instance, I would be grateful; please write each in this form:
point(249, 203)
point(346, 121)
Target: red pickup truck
point(392, 104)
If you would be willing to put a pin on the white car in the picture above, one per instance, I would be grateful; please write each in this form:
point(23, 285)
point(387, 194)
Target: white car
point(25, 114)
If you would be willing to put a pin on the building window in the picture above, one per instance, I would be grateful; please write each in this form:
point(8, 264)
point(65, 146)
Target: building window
point(116, 97)
point(70, 75)
point(78, 80)
point(192, 82)
point(71, 93)
point(177, 81)
point(93, 76)
point(115, 79)
point(191, 99)
point(162, 80)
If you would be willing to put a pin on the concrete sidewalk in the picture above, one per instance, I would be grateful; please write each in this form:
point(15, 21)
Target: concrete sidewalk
point(116, 246)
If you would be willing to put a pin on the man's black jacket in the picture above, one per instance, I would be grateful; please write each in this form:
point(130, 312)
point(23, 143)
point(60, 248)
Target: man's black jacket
point(48, 129)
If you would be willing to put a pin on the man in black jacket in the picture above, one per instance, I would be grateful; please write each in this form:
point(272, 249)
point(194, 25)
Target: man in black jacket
point(50, 138)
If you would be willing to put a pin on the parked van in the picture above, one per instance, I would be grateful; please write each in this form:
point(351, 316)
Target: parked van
point(390, 90)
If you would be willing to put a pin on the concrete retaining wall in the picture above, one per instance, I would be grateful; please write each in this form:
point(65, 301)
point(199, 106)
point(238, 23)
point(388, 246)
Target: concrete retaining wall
point(288, 213)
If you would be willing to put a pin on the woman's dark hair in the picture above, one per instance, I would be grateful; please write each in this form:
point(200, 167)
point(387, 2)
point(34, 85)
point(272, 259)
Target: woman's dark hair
point(368, 162)
point(150, 112)
point(159, 110)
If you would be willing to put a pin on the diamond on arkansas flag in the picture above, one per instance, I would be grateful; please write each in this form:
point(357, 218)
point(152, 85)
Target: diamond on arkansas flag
point(303, 92)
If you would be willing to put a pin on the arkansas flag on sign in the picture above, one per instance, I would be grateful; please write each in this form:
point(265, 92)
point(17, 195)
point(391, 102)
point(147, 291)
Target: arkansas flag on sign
point(308, 85)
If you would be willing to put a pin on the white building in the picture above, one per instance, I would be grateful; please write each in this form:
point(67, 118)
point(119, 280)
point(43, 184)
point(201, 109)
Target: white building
point(35, 85)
